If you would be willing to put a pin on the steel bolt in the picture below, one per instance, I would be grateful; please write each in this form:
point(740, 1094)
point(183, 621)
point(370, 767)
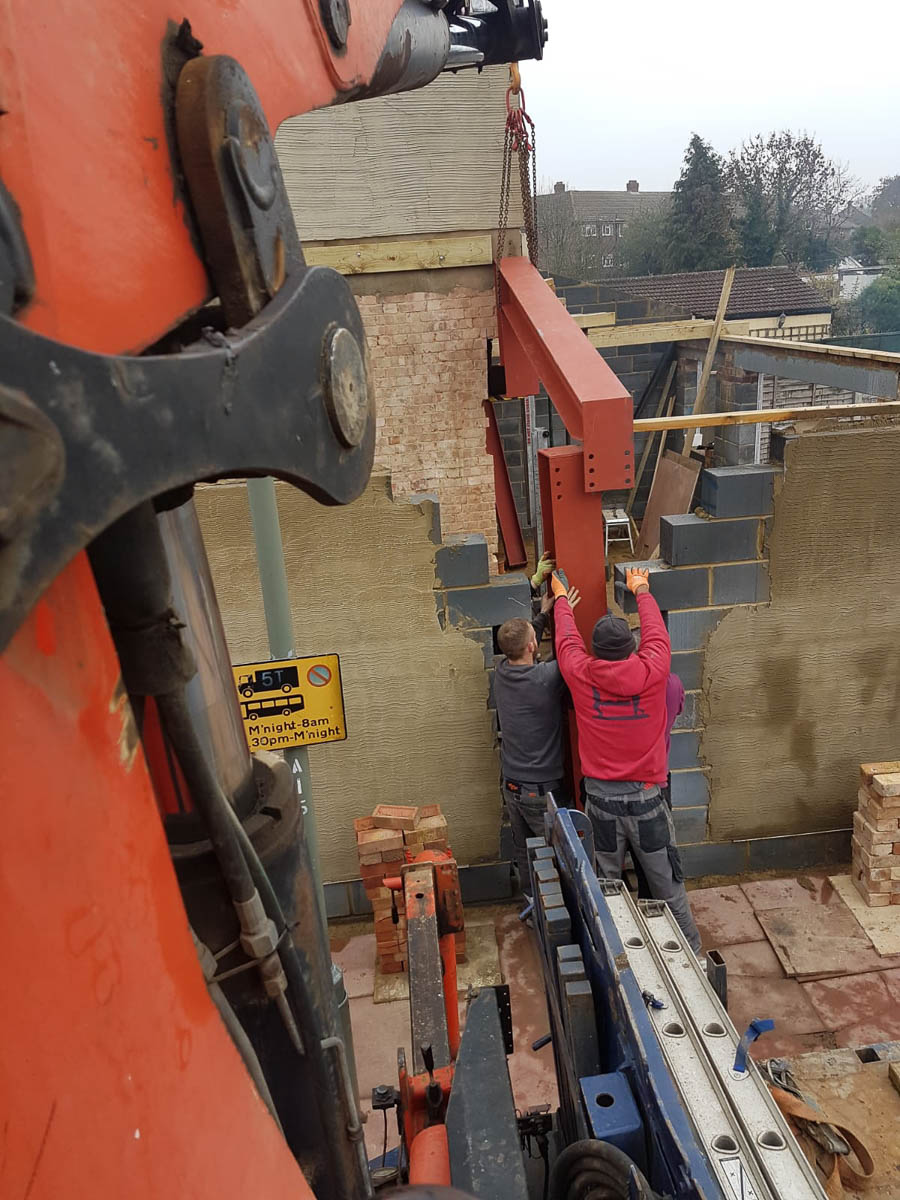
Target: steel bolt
point(346, 385)
point(336, 19)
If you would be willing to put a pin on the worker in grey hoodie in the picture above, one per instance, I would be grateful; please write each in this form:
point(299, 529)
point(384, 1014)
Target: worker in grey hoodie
point(529, 696)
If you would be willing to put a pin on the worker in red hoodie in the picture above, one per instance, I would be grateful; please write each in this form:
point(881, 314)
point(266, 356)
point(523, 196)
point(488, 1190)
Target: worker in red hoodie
point(619, 694)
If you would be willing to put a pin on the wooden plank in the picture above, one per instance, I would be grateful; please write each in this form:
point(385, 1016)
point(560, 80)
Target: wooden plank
point(648, 445)
point(417, 254)
point(700, 401)
point(671, 492)
point(595, 320)
point(755, 416)
point(652, 331)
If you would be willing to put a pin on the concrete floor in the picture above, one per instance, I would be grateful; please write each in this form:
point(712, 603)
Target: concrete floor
point(855, 1005)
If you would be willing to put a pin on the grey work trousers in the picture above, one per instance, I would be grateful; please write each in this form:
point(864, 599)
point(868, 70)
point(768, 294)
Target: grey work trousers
point(643, 824)
point(526, 809)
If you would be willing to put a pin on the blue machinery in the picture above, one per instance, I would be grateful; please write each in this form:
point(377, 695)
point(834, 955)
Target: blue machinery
point(646, 1057)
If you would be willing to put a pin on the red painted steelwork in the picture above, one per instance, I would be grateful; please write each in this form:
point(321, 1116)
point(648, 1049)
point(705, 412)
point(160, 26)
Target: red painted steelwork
point(85, 146)
point(413, 1103)
point(540, 343)
point(120, 1078)
point(429, 1158)
point(507, 516)
point(447, 945)
point(573, 529)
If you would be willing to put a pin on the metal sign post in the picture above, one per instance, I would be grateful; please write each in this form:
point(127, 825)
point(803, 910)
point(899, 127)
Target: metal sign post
point(280, 627)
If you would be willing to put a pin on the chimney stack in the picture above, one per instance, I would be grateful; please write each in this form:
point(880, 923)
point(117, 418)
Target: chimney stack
point(632, 186)
point(559, 187)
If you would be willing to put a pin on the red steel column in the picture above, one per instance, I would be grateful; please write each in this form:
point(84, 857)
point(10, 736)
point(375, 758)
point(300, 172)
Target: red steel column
point(573, 529)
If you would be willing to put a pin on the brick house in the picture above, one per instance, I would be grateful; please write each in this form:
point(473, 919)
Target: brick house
point(580, 231)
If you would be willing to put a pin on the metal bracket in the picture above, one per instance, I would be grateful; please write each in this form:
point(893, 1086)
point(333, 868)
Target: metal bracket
point(286, 395)
point(132, 428)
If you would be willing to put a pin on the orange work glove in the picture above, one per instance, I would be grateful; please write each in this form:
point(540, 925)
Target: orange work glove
point(557, 587)
point(637, 580)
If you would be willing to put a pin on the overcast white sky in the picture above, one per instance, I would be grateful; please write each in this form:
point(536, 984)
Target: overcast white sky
point(623, 85)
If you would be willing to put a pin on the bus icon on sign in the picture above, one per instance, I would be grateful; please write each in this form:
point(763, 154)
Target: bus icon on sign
point(273, 679)
point(256, 710)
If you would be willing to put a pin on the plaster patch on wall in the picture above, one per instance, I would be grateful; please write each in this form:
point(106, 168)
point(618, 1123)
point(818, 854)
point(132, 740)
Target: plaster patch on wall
point(800, 691)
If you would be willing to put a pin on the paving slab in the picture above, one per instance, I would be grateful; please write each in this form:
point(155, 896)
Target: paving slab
point(724, 917)
point(756, 959)
point(855, 1000)
point(814, 939)
point(764, 894)
point(783, 1000)
point(881, 924)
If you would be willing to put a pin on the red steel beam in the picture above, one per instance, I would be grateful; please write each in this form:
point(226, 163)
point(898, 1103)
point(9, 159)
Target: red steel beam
point(573, 530)
point(540, 343)
point(507, 516)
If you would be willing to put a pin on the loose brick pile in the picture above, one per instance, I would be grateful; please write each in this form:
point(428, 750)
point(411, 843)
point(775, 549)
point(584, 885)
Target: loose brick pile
point(876, 834)
point(393, 835)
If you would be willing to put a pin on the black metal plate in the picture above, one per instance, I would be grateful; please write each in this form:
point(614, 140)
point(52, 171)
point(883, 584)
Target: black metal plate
point(133, 428)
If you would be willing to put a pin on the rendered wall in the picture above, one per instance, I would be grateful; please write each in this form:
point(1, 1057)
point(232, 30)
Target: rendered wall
point(422, 162)
point(800, 691)
point(784, 616)
point(362, 581)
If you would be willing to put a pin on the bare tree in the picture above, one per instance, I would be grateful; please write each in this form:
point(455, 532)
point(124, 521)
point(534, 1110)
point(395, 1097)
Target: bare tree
point(560, 244)
point(790, 200)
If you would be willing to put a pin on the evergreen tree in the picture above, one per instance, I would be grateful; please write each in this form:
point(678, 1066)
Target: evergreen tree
point(880, 305)
point(700, 236)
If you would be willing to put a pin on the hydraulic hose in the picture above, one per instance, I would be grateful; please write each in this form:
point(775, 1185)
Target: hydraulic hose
point(206, 794)
point(245, 1048)
point(598, 1170)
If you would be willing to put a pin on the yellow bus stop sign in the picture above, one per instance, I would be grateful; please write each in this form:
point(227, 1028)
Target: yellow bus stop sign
point(291, 702)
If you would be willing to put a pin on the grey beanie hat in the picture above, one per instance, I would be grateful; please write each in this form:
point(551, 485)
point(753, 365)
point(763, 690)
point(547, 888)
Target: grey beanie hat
point(612, 639)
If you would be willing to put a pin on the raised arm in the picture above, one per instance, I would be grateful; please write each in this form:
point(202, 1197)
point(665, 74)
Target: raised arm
point(655, 650)
point(570, 651)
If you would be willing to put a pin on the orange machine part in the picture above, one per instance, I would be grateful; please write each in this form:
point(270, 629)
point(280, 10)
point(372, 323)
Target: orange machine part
point(429, 1158)
point(84, 148)
point(118, 1077)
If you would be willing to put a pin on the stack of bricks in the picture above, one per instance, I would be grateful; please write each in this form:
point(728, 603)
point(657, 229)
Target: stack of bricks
point(392, 836)
point(876, 834)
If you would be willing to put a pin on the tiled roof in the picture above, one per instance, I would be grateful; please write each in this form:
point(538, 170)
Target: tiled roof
point(613, 206)
point(604, 206)
point(756, 292)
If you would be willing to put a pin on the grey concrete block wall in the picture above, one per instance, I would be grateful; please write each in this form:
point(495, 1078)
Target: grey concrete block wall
point(686, 539)
point(670, 587)
point(462, 561)
point(684, 750)
point(688, 666)
point(740, 583)
point(690, 824)
point(485, 606)
point(688, 718)
point(689, 789)
point(690, 627)
point(738, 491)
